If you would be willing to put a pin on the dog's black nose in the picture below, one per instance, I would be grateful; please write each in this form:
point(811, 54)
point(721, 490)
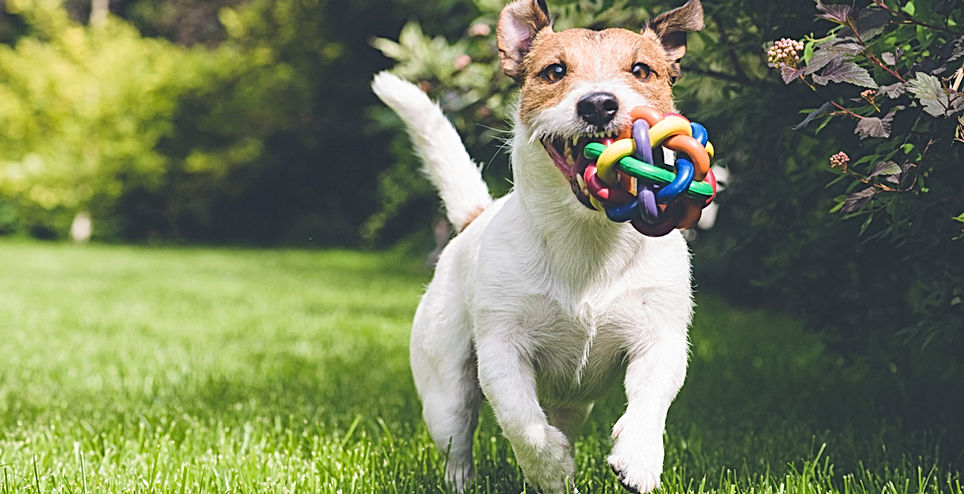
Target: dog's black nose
point(597, 108)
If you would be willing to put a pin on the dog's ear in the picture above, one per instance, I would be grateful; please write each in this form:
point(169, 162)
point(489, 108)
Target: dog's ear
point(671, 28)
point(519, 23)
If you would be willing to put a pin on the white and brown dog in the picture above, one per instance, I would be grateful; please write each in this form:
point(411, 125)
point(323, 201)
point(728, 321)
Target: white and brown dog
point(541, 303)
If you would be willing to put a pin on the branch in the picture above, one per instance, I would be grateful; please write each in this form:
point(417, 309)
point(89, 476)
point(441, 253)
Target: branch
point(910, 20)
point(869, 54)
point(832, 102)
point(728, 77)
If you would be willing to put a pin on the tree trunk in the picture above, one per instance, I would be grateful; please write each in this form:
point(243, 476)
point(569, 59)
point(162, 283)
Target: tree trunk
point(98, 12)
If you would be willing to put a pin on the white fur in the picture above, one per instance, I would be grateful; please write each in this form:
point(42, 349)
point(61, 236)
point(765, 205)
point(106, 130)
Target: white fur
point(539, 305)
point(448, 165)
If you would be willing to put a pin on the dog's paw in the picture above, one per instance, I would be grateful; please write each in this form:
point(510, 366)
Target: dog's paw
point(459, 475)
point(637, 466)
point(546, 459)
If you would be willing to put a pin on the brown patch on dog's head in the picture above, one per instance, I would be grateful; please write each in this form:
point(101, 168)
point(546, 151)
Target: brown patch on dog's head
point(519, 24)
point(671, 28)
point(547, 64)
point(586, 57)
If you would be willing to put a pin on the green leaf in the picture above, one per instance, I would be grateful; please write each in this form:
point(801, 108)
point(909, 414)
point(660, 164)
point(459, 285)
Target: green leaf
point(885, 168)
point(808, 51)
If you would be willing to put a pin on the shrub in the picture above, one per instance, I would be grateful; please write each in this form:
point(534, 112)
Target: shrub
point(891, 73)
point(884, 268)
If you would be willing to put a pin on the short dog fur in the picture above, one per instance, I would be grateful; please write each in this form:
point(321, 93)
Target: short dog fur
point(540, 303)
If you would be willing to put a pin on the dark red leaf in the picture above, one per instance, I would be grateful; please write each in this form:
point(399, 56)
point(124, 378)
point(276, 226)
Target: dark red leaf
point(876, 126)
point(824, 108)
point(894, 90)
point(837, 71)
point(834, 12)
point(857, 200)
point(835, 51)
point(789, 73)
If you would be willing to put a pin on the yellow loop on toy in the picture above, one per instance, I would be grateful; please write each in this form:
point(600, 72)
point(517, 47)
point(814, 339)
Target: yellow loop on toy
point(606, 162)
point(709, 149)
point(671, 125)
point(596, 204)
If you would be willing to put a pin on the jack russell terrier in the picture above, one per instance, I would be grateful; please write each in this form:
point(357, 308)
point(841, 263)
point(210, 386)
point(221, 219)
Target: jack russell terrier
point(540, 303)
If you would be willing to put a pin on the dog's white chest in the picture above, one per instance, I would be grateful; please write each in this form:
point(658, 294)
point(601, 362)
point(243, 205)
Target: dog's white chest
point(575, 350)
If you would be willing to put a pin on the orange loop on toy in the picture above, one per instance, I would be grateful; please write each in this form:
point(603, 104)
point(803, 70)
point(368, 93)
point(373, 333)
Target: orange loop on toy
point(692, 148)
point(649, 114)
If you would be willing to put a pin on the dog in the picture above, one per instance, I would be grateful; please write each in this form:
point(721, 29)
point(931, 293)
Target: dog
point(540, 303)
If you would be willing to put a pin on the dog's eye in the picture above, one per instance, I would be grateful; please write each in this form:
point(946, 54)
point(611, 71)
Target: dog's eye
point(554, 72)
point(641, 70)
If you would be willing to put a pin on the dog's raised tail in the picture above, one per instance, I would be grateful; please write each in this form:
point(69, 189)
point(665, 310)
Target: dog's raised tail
point(446, 161)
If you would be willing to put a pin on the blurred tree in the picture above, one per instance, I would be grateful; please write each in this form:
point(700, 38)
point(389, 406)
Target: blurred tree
point(251, 129)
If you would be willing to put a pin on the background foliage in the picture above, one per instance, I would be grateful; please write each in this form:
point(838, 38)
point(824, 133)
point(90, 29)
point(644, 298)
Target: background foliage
point(251, 121)
point(190, 120)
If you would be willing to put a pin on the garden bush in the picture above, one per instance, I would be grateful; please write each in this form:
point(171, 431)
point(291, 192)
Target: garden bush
point(877, 271)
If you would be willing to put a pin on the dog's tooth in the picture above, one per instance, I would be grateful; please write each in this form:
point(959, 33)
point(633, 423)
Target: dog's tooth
point(580, 181)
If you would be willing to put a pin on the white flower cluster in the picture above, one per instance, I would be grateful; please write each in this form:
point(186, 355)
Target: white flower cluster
point(785, 51)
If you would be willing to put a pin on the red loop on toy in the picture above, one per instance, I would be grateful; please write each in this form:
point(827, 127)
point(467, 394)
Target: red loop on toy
point(667, 222)
point(711, 178)
point(609, 196)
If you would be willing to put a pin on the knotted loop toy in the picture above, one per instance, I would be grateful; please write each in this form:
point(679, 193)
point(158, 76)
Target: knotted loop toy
point(657, 198)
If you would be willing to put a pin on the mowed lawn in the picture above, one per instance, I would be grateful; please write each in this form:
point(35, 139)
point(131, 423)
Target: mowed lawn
point(141, 369)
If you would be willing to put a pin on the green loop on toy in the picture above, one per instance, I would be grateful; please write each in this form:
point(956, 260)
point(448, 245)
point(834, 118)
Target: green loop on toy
point(650, 173)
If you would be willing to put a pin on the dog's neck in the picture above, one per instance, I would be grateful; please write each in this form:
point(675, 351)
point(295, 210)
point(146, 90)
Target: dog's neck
point(581, 243)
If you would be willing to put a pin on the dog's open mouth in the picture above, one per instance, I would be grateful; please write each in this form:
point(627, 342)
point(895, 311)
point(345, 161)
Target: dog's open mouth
point(567, 154)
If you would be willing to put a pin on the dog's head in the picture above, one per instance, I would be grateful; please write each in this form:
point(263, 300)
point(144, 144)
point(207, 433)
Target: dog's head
point(578, 85)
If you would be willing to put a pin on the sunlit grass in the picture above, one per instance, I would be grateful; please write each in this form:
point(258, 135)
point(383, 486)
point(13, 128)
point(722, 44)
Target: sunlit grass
point(130, 369)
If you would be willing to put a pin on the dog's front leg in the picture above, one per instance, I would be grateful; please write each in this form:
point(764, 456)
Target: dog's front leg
point(653, 377)
point(508, 381)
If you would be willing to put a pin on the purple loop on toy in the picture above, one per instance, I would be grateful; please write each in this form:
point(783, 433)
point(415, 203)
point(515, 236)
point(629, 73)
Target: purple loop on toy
point(644, 149)
point(625, 212)
point(646, 200)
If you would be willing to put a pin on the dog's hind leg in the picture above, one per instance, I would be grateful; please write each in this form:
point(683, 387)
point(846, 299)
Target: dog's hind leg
point(443, 365)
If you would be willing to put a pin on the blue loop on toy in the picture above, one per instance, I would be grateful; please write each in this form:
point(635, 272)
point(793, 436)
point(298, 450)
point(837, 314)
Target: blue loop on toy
point(623, 213)
point(648, 209)
point(699, 133)
point(684, 176)
point(644, 149)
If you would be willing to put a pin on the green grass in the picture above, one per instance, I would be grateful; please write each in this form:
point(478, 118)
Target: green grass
point(131, 369)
